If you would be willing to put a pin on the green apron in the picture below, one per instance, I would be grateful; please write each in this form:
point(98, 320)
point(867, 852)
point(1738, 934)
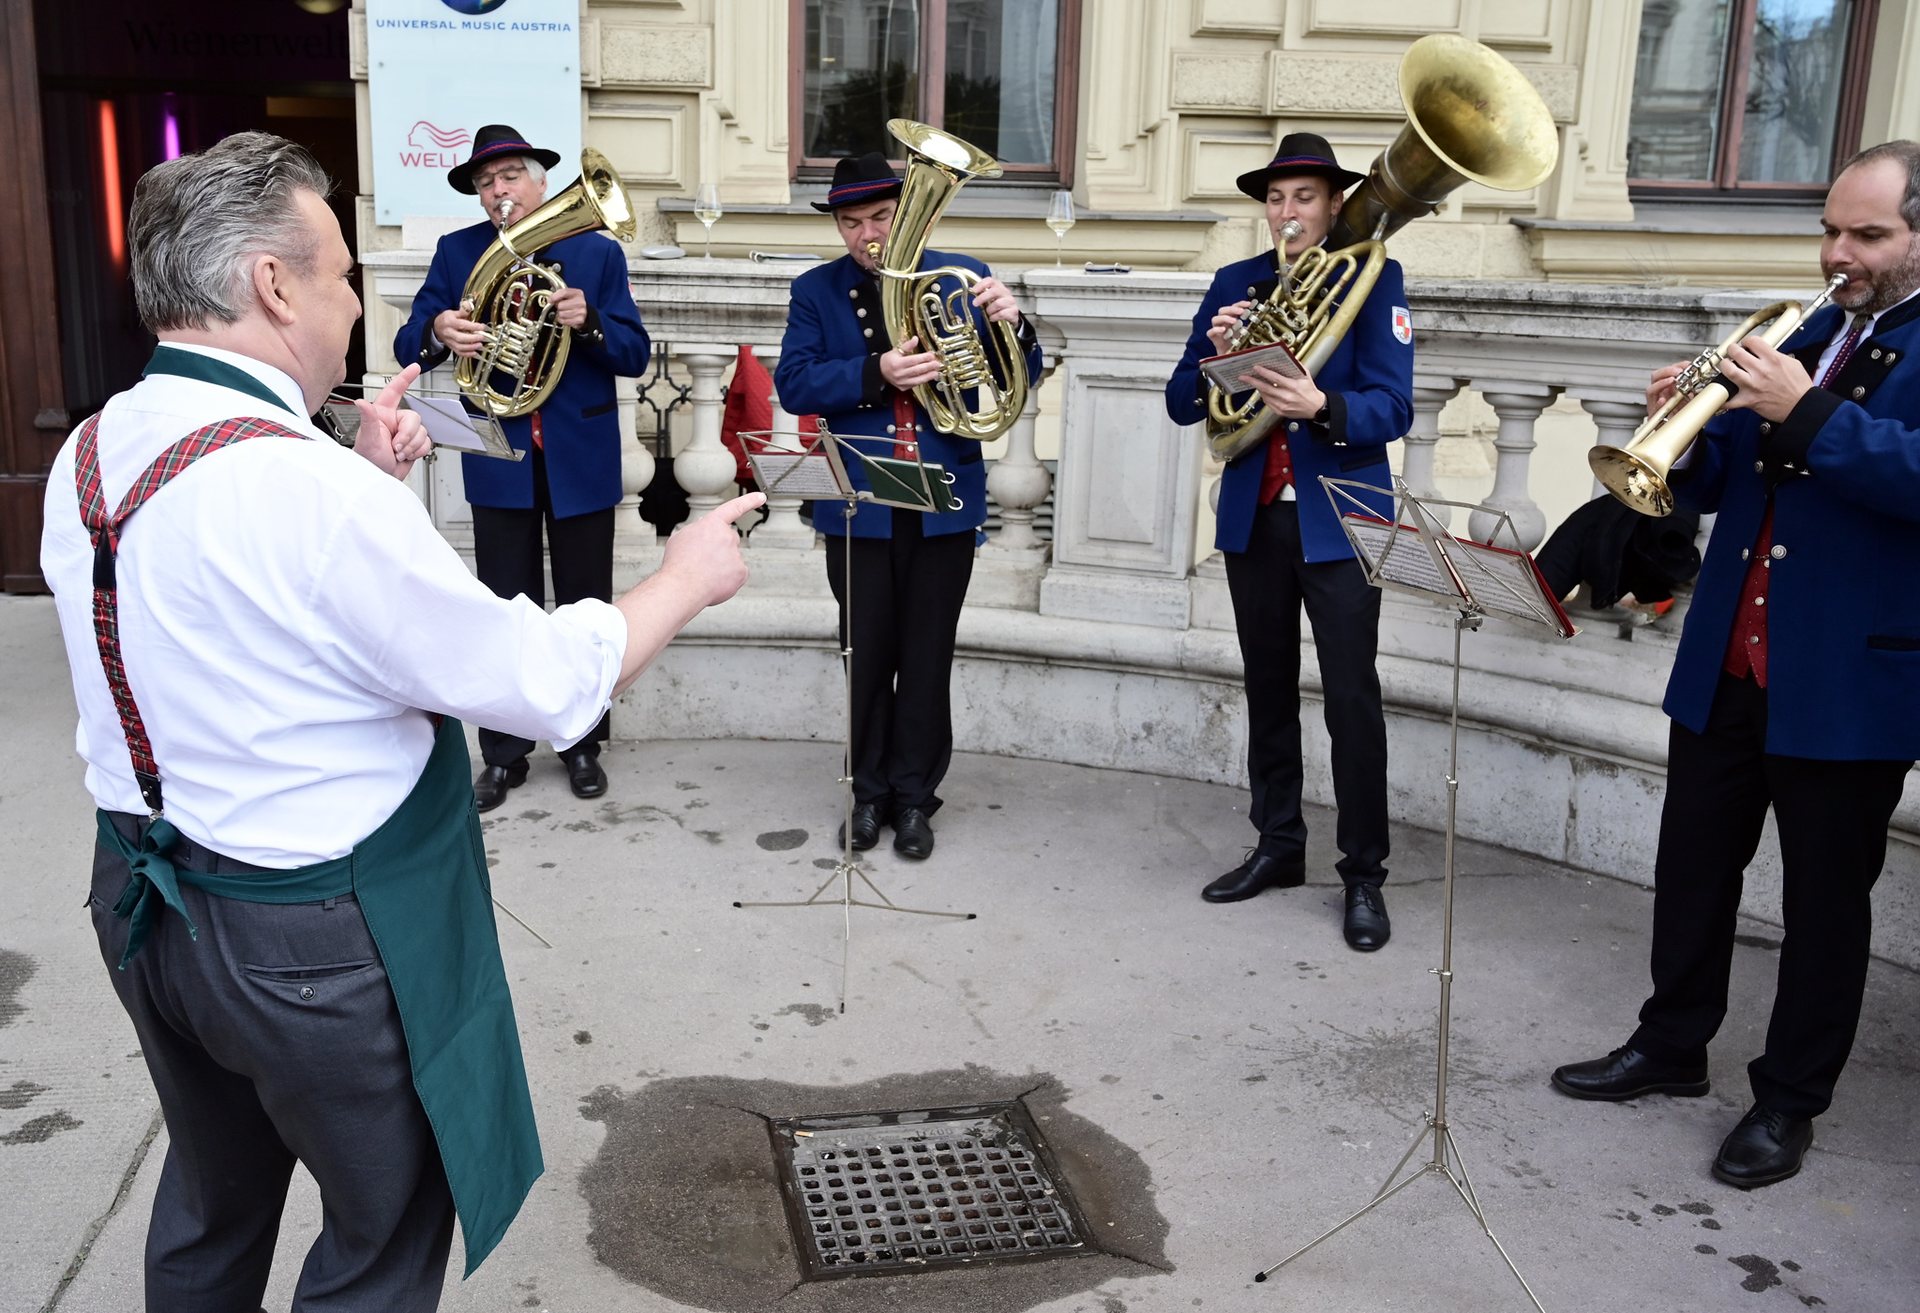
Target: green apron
point(421, 879)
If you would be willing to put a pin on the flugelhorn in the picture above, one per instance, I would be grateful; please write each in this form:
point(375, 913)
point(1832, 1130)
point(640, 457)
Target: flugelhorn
point(1639, 473)
point(512, 297)
point(938, 163)
point(1471, 117)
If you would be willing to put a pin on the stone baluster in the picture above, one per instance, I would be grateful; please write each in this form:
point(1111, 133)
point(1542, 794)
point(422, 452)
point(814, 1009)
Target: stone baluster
point(1518, 404)
point(704, 468)
point(1616, 419)
point(783, 529)
point(1430, 396)
point(1018, 483)
point(633, 537)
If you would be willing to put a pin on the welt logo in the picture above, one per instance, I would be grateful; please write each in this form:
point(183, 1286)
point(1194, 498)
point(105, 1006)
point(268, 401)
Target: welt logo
point(430, 146)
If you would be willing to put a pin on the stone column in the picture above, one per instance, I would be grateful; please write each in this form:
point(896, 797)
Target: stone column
point(783, 529)
point(1616, 419)
point(1019, 483)
point(1518, 404)
point(1430, 396)
point(704, 468)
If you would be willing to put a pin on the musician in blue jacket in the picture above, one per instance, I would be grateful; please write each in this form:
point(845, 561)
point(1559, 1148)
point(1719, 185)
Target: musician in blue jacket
point(569, 481)
point(1797, 682)
point(1284, 546)
point(910, 569)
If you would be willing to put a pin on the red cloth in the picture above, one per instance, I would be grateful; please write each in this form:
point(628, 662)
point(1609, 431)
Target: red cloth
point(749, 409)
point(1747, 645)
point(1278, 473)
point(905, 427)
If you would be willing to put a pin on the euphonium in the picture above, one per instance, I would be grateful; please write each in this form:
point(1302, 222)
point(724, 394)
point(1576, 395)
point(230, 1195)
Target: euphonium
point(513, 297)
point(1638, 473)
point(1471, 117)
point(911, 304)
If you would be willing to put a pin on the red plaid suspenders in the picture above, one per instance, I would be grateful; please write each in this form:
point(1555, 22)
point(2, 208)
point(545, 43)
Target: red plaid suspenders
point(104, 530)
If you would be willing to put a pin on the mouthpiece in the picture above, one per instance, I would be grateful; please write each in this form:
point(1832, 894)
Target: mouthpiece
point(1290, 230)
point(873, 250)
point(505, 208)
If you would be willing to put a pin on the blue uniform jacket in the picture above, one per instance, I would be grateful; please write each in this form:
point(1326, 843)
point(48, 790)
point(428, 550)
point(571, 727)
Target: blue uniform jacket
point(580, 423)
point(1369, 385)
point(1843, 595)
point(830, 367)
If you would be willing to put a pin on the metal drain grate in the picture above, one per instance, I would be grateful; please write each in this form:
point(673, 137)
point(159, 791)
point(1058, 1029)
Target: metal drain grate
point(907, 1191)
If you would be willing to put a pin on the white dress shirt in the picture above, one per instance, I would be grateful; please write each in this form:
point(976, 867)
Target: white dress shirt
point(1820, 368)
point(288, 614)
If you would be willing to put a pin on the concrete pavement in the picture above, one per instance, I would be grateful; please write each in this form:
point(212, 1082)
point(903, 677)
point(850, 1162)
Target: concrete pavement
point(1220, 1084)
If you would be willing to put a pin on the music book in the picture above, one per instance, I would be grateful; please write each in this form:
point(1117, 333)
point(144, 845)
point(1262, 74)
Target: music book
point(1501, 581)
point(1232, 372)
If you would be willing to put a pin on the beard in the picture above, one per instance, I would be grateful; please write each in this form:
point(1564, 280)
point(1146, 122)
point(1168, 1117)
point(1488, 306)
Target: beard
point(1890, 287)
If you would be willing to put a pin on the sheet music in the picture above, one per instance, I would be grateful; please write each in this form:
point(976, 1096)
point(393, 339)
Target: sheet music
point(796, 473)
point(1233, 371)
point(447, 424)
point(1404, 559)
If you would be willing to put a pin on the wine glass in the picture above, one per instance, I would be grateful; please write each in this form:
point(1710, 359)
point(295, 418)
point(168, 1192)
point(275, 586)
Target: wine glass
point(706, 208)
point(1059, 218)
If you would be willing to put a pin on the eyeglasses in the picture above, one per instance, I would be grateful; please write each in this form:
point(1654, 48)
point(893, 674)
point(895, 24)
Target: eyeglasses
point(509, 175)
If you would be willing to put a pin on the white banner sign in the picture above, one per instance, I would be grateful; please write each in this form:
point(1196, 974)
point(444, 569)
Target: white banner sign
point(437, 70)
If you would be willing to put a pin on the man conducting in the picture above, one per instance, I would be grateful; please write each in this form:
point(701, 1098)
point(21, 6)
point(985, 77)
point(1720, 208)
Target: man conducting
point(569, 481)
point(1795, 687)
point(1284, 546)
point(269, 657)
point(910, 570)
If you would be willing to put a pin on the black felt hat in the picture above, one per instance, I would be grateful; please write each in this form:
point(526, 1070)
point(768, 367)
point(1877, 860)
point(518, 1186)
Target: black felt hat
point(858, 179)
point(490, 143)
point(1301, 153)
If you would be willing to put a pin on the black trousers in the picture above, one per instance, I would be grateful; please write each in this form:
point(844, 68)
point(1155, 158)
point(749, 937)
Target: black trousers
point(1270, 581)
point(506, 557)
point(907, 595)
point(272, 1039)
point(1832, 817)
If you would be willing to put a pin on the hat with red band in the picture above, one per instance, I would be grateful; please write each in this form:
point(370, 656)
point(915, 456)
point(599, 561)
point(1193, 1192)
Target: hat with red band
point(858, 179)
point(490, 143)
point(1301, 154)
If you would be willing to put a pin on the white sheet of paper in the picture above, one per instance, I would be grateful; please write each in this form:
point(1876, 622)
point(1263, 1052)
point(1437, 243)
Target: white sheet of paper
point(447, 422)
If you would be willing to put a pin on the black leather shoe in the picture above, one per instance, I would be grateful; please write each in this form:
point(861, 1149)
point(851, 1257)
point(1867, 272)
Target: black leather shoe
point(913, 834)
point(1259, 873)
point(866, 827)
point(584, 775)
point(1627, 1073)
point(491, 784)
point(1366, 926)
point(1766, 1146)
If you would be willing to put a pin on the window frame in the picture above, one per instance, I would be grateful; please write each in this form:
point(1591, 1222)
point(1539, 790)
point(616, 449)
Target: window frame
point(1849, 114)
point(933, 91)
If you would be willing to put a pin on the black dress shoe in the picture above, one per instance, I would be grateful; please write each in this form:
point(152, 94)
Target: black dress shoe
point(584, 775)
point(491, 784)
point(1366, 926)
point(1259, 873)
point(1627, 1073)
point(913, 834)
point(1766, 1146)
point(866, 827)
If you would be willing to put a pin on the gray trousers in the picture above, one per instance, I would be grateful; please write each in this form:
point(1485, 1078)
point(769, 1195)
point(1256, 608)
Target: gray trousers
point(273, 1039)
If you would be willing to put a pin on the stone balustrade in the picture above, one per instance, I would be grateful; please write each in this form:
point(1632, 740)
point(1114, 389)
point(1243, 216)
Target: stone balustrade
point(1115, 646)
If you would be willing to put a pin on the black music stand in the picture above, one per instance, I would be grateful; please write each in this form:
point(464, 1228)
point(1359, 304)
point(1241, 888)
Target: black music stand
point(1413, 553)
point(815, 467)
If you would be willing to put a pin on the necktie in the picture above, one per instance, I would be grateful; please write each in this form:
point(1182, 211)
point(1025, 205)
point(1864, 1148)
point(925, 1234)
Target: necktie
point(1847, 344)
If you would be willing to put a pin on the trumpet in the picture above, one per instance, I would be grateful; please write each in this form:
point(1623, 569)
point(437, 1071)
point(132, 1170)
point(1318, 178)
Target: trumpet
point(1639, 473)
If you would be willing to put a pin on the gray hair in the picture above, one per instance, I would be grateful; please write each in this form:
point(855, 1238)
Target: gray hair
point(200, 221)
point(1908, 154)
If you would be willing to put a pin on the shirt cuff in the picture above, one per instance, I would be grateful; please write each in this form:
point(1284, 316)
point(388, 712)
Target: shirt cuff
point(602, 629)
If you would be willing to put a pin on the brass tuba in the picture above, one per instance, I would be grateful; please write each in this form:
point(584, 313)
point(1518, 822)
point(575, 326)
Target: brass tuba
point(1471, 117)
point(1637, 473)
point(910, 302)
point(513, 297)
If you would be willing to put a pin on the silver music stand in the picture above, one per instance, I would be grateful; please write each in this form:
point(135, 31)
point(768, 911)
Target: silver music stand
point(815, 467)
point(450, 419)
point(1413, 553)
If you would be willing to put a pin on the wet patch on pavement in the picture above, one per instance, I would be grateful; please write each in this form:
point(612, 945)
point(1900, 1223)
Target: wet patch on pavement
point(684, 1196)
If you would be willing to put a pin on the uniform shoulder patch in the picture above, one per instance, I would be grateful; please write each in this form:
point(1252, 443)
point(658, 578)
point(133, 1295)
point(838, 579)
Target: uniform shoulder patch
point(1402, 323)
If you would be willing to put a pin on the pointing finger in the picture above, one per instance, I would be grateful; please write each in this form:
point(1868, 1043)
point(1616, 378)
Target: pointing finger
point(397, 387)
